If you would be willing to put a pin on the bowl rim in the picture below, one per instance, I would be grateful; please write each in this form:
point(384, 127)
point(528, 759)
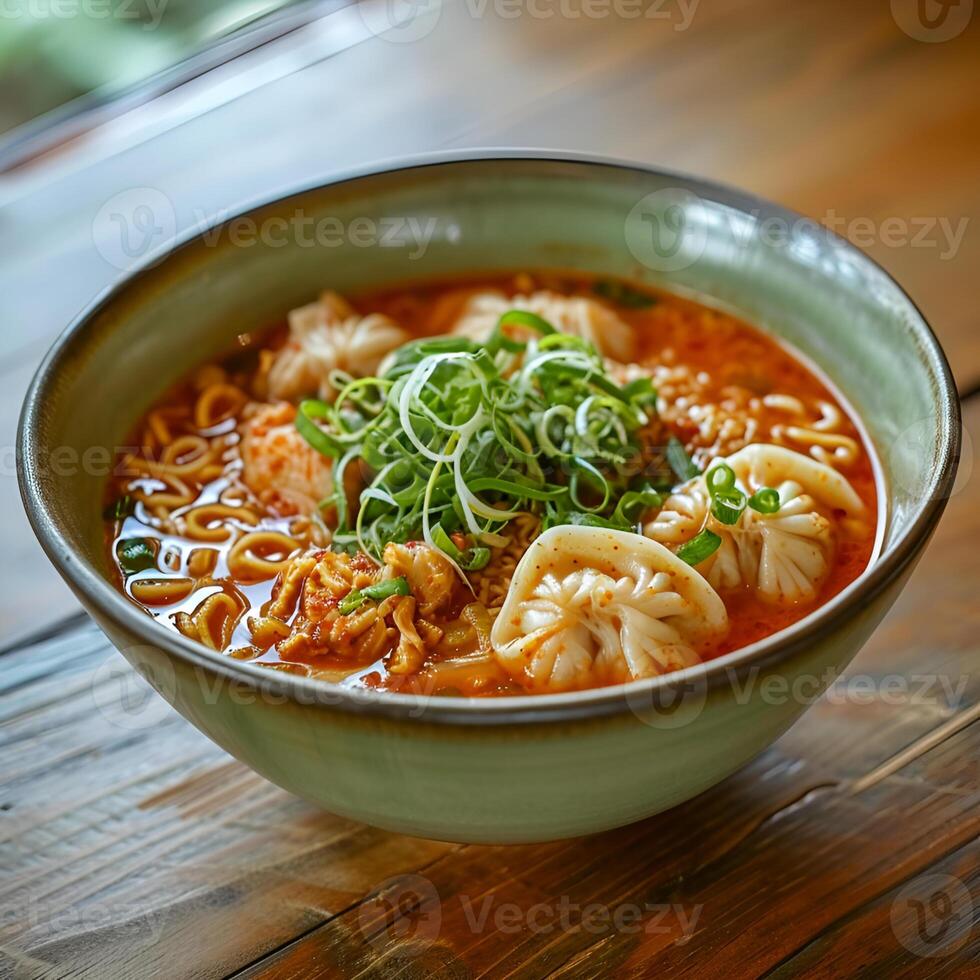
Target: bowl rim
point(98, 594)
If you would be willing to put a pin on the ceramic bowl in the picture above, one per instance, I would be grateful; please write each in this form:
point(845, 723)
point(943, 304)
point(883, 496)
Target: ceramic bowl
point(512, 769)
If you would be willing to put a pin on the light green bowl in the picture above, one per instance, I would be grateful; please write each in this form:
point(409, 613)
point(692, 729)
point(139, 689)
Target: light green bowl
point(508, 769)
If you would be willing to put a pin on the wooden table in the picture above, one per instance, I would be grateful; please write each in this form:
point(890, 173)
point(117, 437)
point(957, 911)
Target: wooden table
point(132, 846)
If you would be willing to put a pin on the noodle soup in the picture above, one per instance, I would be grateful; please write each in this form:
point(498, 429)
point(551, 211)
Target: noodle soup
point(520, 485)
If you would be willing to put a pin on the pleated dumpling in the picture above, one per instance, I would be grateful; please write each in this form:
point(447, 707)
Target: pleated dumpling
point(330, 335)
point(784, 557)
point(576, 315)
point(589, 606)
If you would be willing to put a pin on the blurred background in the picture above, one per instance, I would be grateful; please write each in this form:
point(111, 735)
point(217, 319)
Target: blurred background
point(170, 114)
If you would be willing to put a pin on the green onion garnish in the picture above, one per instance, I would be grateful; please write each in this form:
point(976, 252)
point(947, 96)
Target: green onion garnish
point(517, 318)
point(623, 295)
point(680, 462)
point(700, 547)
point(136, 555)
point(633, 503)
point(727, 507)
point(727, 501)
point(122, 508)
point(469, 559)
point(765, 501)
point(312, 433)
point(458, 436)
point(380, 590)
point(720, 479)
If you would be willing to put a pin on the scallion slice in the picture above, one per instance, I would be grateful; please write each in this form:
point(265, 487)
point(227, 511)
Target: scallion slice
point(320, 440)
point(136, 555)
point(680, 462)
point(380, 590)
point(727, 501)
point(700, 547)
point(765, 501)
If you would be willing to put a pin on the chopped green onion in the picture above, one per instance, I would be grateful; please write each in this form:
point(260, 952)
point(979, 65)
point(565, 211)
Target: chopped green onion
point(765, 501)
point(720, 479)
point(623, 295)
point(700, 547)
point(460, 437)
point(517, 318)
point(633, 503)
point(680, 462)
point(728, 506)
point(727, 501)
point(320, 440)
point(641, 393)
point(136, 555)
point(380, 590)
point(473, 559)
point(469, 559)
point(121, 509)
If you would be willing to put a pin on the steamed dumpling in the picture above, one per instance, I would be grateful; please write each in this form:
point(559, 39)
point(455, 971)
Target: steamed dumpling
point(589, 606)
point(328, 335)
point(783, 557)
point(575, 315)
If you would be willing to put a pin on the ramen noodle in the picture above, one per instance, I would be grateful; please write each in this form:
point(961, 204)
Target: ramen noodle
point(520, 485)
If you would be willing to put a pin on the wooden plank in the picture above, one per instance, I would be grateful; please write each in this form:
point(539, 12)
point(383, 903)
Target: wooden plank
point(135, 845)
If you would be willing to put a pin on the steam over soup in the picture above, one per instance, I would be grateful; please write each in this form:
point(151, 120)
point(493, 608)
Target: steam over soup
point(522, 485)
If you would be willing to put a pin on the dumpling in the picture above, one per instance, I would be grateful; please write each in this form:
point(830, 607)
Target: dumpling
point(329, 335)
point(589, 606)
point(287, 474)
point(576, 315)
point(783, 557)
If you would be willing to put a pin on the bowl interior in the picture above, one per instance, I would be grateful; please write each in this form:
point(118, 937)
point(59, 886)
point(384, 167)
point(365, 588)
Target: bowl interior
point(774, 269)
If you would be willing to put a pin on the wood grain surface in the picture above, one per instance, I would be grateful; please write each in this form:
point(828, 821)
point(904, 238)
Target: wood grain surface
point(130, 845)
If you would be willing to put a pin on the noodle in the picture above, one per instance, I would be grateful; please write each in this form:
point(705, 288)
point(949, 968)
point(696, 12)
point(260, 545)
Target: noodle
point(249, 558)
point(229, 496)
point(210, 522)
